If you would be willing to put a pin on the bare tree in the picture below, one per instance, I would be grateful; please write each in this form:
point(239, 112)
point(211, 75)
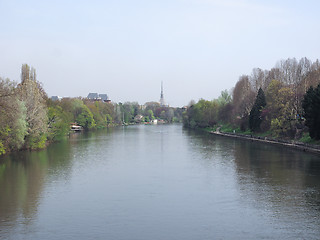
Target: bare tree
point(25, 72)
point(258, 79)
point(243, 97)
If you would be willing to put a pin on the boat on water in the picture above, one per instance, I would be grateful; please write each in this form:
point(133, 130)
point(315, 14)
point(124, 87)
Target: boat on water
point(76, 128)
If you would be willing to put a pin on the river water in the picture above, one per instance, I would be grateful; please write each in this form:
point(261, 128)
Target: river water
point(159, 182)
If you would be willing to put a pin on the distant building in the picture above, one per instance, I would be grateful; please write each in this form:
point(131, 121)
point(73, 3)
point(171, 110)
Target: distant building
point(104, 97)
point(55, 98)
point(98, 97)
point(93, 96)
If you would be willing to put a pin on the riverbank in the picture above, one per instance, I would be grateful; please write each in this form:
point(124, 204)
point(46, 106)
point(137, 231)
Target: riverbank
point(291, 144)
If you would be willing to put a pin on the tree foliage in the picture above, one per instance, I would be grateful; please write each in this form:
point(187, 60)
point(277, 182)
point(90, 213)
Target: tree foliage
point(255, 117)
point(279, 111)
point(280, 105)
point(28, 119)
point(311, 107)
point(31, 93)
point(203, 113)
point(243, 97)
point(13, 125)
point(58, 123)
point(85, 118)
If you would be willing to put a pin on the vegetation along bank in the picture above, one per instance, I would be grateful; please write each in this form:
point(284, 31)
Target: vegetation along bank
point(30, 120)
point(282, 103)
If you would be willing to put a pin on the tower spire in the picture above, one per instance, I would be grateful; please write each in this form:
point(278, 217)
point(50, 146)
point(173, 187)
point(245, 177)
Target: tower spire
point(161, 96)
point(162, 102)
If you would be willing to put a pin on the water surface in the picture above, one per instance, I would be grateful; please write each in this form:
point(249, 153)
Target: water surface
point(159, 182)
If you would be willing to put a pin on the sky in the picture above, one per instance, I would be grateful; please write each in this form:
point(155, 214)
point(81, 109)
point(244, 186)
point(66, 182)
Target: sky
point(124, 48)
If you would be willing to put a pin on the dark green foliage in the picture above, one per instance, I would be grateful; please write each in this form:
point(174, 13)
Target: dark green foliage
point(255, 118)
point(311, 107)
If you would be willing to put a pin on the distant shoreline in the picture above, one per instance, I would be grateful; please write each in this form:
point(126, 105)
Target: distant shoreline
point(291, 144)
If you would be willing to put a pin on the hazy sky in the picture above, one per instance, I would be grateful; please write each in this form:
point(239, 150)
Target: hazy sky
point(126, 48)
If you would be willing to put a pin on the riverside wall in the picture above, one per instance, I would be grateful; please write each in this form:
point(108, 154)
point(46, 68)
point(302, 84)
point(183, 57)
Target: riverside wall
point(291, 144)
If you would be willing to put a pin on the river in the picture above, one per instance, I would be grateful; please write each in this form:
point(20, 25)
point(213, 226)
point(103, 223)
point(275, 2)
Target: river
point(159, 182)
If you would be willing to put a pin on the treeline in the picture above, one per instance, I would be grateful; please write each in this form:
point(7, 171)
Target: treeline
point(269, 101)
point(30, 120)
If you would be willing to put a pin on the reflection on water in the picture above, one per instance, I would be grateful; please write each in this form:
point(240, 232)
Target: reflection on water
point(22, 179)
point(159, 182)
point(283, 181)
point(284, 171)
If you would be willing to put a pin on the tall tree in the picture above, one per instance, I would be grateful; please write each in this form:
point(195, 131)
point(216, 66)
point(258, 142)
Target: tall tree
point(243, 100)
point(32, 95)
point(224, 98)
point(280, 108)
point(257, 79)
point(58, 122)
point(255, 117)
point(225, 107)
point(243, 97)
point(25, 72)
point(311, 107)
point(13, 126)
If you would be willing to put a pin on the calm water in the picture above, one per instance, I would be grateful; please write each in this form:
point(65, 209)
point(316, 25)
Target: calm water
point(159, 182)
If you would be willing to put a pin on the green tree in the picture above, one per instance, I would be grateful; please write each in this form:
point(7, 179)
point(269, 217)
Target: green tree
point(311, 107)
point(224, 98)
point(98, 116)
point(225, 107)
point(13, 126)
point(271, 98)
point(150, 114)
point(85, 118)
point(202, 114)
point(76, 107)
point(108, 119)
point(255, 118)
point(280, 101)
point(31, 93)
point(58, 123)
point(19, 126)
